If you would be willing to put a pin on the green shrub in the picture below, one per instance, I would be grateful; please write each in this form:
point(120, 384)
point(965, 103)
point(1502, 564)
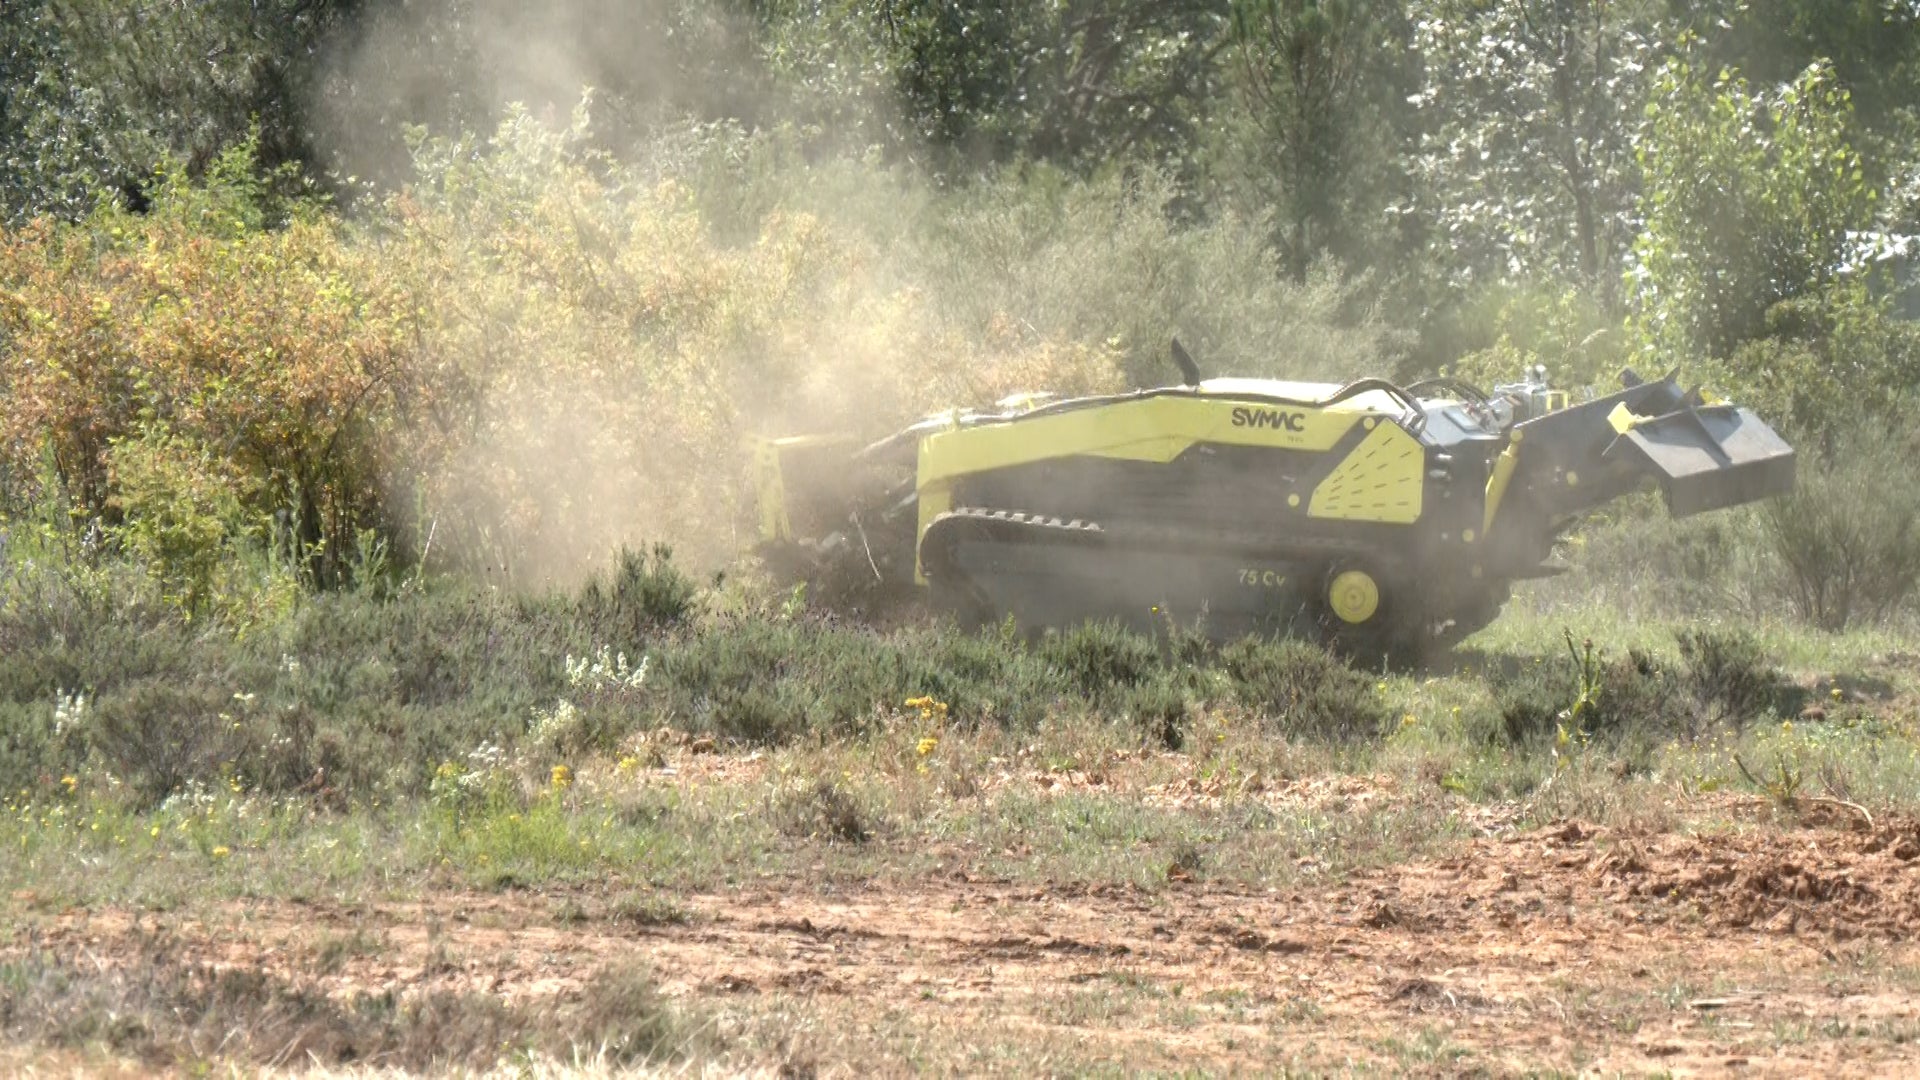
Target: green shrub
point(1729, 674)
point(1642, 696)
point(623, 1016)
point(1653, 564)
point(1849, 535)
point(644, 594)
point(32, 751)
point(1159, 710)
point(1585, 694)
point(159, 735)
point(823, 811)
point(769, 682)
point(1531, 699)
point(182, 513)
point(1303, 691)
point(1099, 659)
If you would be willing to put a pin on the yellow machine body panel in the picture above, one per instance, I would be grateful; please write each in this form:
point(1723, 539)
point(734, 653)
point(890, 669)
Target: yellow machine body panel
point(768, 468)
point(1381, 482)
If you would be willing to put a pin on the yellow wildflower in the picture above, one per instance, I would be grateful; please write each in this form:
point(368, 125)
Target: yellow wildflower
point(931, 709)
point(562, 777)
point(928, 745)
point(221, 852)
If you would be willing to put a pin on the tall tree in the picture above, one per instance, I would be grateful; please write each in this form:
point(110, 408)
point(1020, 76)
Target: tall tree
point(1317, 130)
point(1074, 82)
point(96, 93)
point(57, 144)
point(1754, 196)
point(1873, 47)
point(1526, 164)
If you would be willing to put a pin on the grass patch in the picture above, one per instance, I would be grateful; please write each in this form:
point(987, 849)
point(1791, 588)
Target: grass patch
point(168, 1014)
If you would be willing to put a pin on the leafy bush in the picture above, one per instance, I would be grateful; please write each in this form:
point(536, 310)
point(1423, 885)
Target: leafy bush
point(772, 681)
point(1649, 563)
point(1849, 535)
point(181, 512)
point(623, 1015)
point(1779, 212)
point(1729, 674)
point(160, 735)
point(31, 750)
point(197, 321)
point(1587, 695)
point(1303, 691)
point(1723, 677)
point(645, 593)
point(822, 810)
point(166, 1012)
point(1098, 659)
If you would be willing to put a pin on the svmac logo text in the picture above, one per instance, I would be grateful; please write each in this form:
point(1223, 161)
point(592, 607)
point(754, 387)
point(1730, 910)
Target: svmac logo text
point(1276, 419)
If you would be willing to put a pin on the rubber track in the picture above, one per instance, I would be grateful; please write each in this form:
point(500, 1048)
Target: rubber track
point(956, 526)
point(1015, 526)
point(966, 524)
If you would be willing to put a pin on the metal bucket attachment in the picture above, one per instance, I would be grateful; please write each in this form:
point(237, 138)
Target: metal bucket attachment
point(1708, 457)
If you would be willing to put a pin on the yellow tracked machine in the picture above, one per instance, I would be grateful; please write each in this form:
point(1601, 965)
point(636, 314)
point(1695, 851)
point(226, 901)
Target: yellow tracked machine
point(1382, 518)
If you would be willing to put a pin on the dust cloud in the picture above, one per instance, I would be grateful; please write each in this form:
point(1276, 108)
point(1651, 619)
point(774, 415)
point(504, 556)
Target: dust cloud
point(616, 393)
point(698, 270)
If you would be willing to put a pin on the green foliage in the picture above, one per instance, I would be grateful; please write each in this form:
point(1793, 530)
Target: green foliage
point(644, 593)
point(1525, 162)
point(624, 1017)
point(196, 330)
point(1730, 675)
point(822, 810)
point(1562, 328)
point(182, 512)
point(773, 682)
point(1749, 199)
point(90, 108)
point(361, 694)
point(1098, 658)
point(1301, 691)
point(161, 735)
point(1105, 261)
point(1709, 566)
point(1874, 47)
point(165, 1012)
point(1583, 695)
point(1070, 82)
point(1313, 129)
point(1849, 535)
point(1828, 363)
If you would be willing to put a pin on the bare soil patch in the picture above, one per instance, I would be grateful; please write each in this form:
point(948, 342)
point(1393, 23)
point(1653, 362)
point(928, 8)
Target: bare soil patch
point(1781, 949)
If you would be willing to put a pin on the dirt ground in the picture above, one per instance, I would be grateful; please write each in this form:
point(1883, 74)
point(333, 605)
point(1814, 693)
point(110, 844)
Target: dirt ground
point(1777, 949)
